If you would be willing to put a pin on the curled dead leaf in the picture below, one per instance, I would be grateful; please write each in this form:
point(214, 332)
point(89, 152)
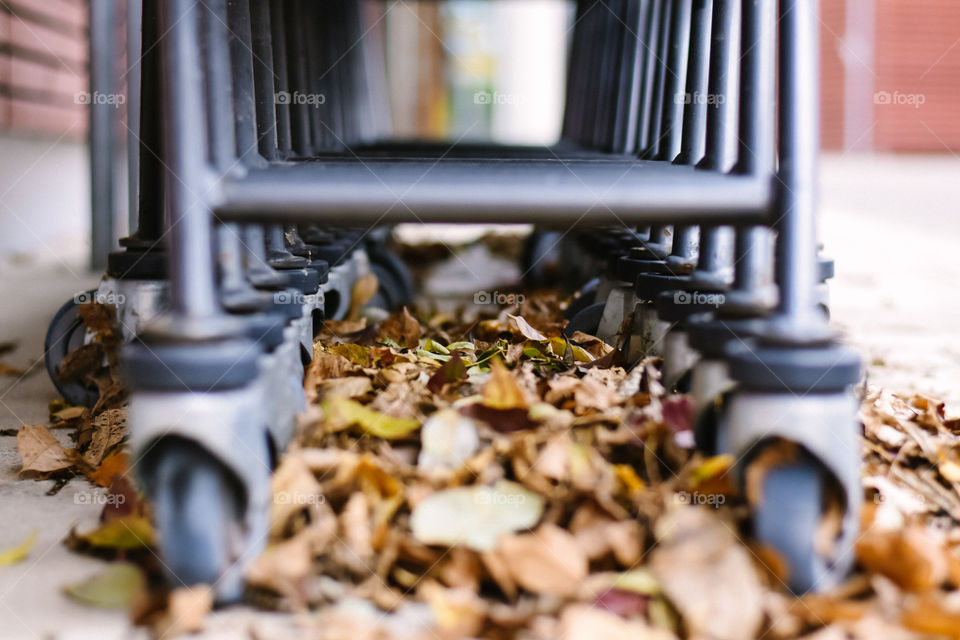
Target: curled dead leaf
point(41, 453)
point(548, 561)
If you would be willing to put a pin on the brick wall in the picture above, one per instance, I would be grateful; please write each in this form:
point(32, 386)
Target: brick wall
point(43, 66)
point(918, 65)
point(833, 20)
point(914, 63)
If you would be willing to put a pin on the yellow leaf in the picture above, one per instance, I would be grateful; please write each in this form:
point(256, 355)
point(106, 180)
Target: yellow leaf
point(502, 390)
point(711, 468)
point(19, 552)
point(355, 353)
point(351, 413)
point(126, 532)
point(70, 413)
point(638, 581)
point(628, 476)
point(363, 290)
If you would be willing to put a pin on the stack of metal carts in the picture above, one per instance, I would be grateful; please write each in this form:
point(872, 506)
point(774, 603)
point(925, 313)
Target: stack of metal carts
point(682, 197)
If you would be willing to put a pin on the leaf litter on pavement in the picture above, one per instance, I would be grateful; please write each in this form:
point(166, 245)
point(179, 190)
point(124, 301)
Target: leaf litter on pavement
point(494, 478)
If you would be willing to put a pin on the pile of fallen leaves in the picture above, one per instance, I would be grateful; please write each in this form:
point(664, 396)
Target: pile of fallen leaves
point(498, 479)
point(99, 431)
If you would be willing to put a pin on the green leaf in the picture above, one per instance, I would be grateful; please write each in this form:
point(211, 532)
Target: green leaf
point(435, 347)
point(429, 354)
point(112, 589)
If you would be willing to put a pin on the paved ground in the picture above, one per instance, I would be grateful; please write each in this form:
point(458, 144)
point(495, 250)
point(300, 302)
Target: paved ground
point(891, 223)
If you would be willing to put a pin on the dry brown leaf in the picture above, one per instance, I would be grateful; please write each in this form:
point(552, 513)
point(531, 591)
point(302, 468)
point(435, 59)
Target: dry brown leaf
point(929, 614)
point(355, 524)
point(525, 329)
point(116, 465)
point(186, 612)
point(708, 575)
point(584, 622)
point(10, 371)
point(350, 387)
point(402, 328)
point(502, 391)
point(107, 431)
point(69, 415)
point(40, 452)
point(461, 569)
point(912, 557)
point(283, 568)
point(294, 489)
point(459, 612)
point(547, 561)
point(600, 535)
point(496, 566)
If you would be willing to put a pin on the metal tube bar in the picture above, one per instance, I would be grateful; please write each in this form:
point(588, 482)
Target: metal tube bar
point(799, 149)
point(192, 287)
point(658, 107)
point(723, 98)
point(217, 80)
point(650, 45)
point(263, 78)
point(673, 94)
point(627, 117)
point(150, 195)
point(102, 135)
point(296, 67)
point(693, 140)
point(134, 26)
point(342, 191)
point(280, 72)
point(241, 67)
point(758, 93)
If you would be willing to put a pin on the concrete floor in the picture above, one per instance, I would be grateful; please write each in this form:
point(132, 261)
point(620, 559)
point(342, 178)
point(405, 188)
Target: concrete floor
point(892, 224)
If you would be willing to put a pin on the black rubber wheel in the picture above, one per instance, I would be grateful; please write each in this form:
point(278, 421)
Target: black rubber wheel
point(541, 259)
point(787, 521)
point(396, 282)
point(586, 321)
point(587, 296)
point(199, 509)
point(390, 294)
point(706, 428)
point(66, 333)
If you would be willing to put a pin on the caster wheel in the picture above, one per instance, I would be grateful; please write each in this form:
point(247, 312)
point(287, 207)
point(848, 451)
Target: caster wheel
point(587, 297)
point(542, 258)
point(199, 510)
point(65, 334)
point(390, 294)
point(706, 429)
point(788, 519)
point(396, 283)
point(685, 383)
point(587, 320)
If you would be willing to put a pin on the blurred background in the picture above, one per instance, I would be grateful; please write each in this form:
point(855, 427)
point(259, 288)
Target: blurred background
point(466, 69)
